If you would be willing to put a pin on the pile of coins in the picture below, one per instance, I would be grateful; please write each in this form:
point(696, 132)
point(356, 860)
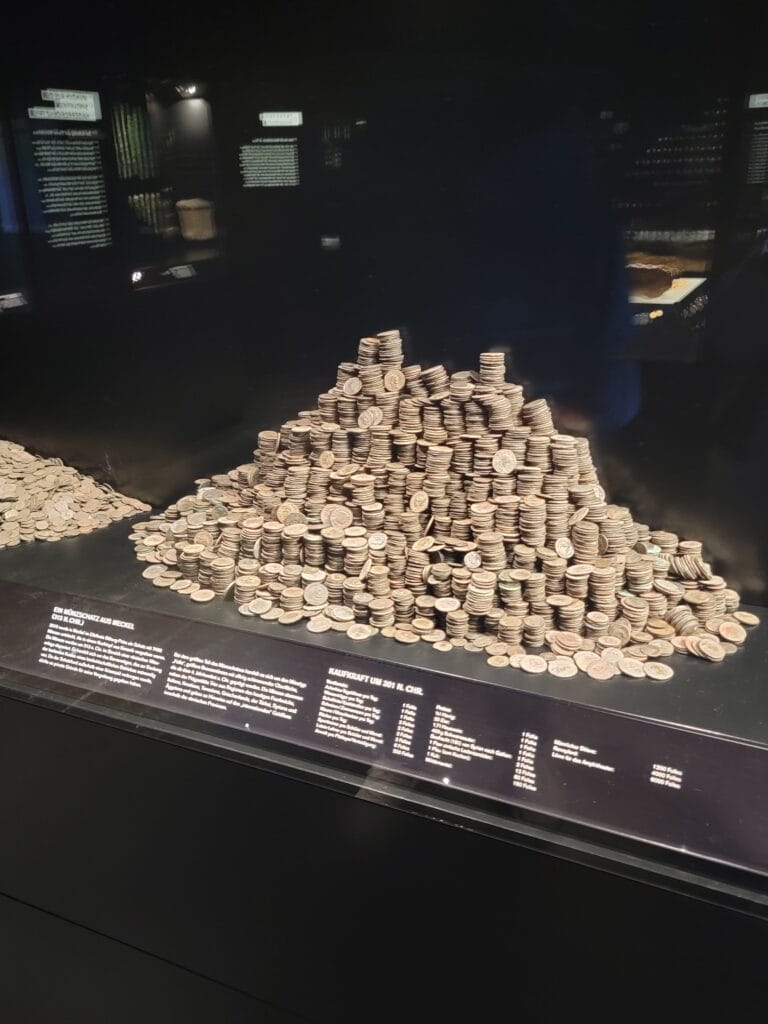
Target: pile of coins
point(42, 499)
point(443, 509)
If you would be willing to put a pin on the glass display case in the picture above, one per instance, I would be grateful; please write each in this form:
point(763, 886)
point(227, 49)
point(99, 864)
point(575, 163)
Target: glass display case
point(440, 479)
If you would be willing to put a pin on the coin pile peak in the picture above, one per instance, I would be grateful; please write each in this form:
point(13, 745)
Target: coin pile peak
point(42, 499)
point(446, 509)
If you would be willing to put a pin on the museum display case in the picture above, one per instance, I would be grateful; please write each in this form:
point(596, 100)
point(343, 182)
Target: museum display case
point(407, 444)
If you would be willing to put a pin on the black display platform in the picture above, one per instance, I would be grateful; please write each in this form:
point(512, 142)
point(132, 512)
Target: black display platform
point(681, 765)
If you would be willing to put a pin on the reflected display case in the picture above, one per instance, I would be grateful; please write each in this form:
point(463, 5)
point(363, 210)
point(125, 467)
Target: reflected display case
point(434, 478)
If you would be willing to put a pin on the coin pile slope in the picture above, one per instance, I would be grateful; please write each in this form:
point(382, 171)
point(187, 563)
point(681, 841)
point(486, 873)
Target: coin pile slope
point(445, 509)
point(42, 499)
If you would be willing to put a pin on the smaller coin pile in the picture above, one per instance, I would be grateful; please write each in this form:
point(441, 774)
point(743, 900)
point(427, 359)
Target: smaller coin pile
point(42, 499)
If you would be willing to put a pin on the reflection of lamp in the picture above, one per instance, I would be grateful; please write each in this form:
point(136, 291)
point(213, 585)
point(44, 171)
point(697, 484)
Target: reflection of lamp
point(186, 91)
point(196, 219)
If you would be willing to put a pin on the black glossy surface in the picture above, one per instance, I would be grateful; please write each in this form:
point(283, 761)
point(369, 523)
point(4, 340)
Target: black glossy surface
point(337, 908)
point(84, 971)
point(729, 699)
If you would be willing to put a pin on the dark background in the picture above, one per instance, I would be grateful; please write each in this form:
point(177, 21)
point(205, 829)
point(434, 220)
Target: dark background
point(143, 880)
point(476, 206)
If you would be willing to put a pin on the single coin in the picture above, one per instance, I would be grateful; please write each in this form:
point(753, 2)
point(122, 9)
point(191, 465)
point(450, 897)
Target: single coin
point(532, 663)
point(271, 614)
point(340, 516)
point(602, 670)
point(377, 541)
point(289, 618)
point(359, 631)
point(433, 636)
point(612, 655)
point(388, 631)
point(153, 571)
point(419, 501)
point(243, 609)
point(734, 632)
point(747, 618)
point(316, 594)
point(655, 670)
point(563, 668)
point(473, 560)
point(285, 509)
point(441, 645)
point(631, 667)
point(352, 386)
point(497, 648)
point(498, 661)
point(728, 647)
point(584, 659)
point(394, 380)
point(563, 548)
point(404, 636)
point(180, 586)
point(340, 613)
point(162, 581)
point(202, 596)
point(504, 461)
point(712, 650)
point(319, 624)
point(326, 459)
point(259, 605)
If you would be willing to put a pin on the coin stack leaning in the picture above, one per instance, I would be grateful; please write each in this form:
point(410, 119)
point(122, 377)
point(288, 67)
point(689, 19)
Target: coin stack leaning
point(444, 508)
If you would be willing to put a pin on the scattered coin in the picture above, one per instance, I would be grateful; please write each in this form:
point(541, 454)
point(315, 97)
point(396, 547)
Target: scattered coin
point(498, 661)
point(733, 632)
point(747, 618)
point(532, 663)
point(584, 659)
point(655, 670)
point(712, 650)
point(318, 624)
point(202, 596)
point(289, 618)
point(563, 668)
point(404, 636)
point(359, 631)
point(602, 670)
point(631, 667)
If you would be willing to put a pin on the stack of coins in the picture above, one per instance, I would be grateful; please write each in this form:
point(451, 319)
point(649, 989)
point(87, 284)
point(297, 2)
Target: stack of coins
point(429, 508)
point(222, 574)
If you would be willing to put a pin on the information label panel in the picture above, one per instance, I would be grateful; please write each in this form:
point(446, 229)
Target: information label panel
point(678, 787)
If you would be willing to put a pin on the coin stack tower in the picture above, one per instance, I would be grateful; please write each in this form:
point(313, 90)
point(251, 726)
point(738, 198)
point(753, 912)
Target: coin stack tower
point(444, 509)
